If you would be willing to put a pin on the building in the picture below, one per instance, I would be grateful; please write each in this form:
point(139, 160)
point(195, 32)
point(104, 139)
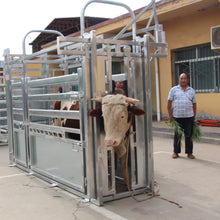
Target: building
point(187, 24)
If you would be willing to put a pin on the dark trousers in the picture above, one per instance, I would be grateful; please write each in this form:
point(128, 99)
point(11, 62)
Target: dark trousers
point(187, 125)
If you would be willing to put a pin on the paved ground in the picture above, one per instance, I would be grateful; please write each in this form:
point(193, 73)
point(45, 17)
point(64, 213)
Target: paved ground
point(193, 184)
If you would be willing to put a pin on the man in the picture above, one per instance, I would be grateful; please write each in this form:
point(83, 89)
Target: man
point(119, 84)
point(184, 112)
point(119, 87)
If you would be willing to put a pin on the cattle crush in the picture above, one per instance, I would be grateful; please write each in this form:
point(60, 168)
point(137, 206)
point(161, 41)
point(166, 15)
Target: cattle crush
point(86, 66)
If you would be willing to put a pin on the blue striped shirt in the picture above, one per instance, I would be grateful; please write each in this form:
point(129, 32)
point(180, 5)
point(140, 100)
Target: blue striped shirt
point(182, 101)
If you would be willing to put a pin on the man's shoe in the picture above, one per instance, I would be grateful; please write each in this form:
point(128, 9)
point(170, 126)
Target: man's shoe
point(175, 155)
point(191, 156)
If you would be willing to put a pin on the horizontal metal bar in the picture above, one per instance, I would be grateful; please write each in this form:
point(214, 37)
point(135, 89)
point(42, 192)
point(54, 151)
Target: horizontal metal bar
point(54, 80)
point(43, 61)
point(113, 54)
point(54, 97)
point(72, 52)
point(4, 126)
point(121, 43)
point(55, 113)
point(39, 69)
point(118, 77)
point(50, 81)
point(16, 85)
point(51, 128)
point(16, 65)
point(18, 111)
point(50, 97)
point(3, 118)
point(3, 102)
point(37, 54)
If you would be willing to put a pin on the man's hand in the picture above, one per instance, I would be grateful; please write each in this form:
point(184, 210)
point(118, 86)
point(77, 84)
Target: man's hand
point(169, 109)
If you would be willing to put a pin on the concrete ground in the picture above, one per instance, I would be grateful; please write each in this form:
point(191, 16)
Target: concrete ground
point(192, 184)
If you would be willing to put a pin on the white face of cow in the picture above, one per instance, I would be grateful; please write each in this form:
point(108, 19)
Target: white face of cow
point(115, 113)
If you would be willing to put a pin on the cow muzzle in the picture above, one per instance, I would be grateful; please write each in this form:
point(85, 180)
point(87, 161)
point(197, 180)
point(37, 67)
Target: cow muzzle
point(112, 143)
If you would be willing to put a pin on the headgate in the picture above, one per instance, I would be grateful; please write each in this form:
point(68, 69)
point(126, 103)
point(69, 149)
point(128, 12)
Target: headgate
point(84, 69)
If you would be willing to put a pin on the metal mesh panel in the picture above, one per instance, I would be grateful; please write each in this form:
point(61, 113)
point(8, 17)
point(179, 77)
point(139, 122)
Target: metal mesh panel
point(201, 79)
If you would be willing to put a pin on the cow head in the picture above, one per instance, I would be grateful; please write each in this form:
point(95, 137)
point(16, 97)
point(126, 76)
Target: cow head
point(117, 111)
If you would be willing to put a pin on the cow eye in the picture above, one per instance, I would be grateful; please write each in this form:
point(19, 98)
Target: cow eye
point(122, 117)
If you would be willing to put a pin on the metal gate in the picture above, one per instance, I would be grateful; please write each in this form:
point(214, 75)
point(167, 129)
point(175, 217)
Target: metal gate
point(3, 109)
point(84, 166)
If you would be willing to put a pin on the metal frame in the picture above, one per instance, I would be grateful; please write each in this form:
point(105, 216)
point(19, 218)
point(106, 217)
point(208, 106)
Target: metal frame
point(86, 166)
point(3, 111)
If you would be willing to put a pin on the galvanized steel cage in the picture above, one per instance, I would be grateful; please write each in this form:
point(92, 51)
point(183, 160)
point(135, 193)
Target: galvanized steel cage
point(84, 166)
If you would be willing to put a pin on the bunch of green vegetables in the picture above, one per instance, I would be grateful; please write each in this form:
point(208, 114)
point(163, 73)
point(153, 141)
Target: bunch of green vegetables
point(196, 136)
point(177, 129)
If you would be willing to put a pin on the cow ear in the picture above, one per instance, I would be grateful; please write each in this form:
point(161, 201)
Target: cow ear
point(135, 110)
point(97, 112)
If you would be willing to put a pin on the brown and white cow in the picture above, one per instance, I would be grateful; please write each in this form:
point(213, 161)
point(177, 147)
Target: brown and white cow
point(69, 123)
point(118, 112)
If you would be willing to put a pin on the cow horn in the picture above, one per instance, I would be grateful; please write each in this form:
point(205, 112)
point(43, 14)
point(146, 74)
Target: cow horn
point(98, 99)
point(131, 100)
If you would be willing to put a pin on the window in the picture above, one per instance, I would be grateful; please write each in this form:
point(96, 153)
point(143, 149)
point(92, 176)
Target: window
point(203, 66)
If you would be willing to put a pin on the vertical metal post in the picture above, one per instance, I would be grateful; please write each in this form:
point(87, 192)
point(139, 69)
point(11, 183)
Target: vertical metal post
point(89, 151)
point(98, 147)
point(45, 74)
point(127, 58)
point(157, 89)
point(148, 115)
point(25, 116)
point(109, 70)
point(83, 118)
point(7, 71)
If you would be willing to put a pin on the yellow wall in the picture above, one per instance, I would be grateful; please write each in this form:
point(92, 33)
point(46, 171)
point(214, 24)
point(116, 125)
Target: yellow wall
point(36, 72)
point(187, 31)
point(209, 103)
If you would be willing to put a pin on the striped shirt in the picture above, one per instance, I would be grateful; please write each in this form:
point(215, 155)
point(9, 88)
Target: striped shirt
point(182, 101)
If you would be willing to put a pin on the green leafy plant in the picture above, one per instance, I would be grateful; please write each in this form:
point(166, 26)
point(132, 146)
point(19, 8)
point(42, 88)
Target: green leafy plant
point(177, 129)
point(196, 136)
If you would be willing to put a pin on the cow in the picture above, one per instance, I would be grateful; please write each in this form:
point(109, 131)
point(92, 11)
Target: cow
point(118, 112)
point(69, 123)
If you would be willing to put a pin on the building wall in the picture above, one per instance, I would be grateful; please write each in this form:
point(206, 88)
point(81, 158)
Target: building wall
point(190, 30)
